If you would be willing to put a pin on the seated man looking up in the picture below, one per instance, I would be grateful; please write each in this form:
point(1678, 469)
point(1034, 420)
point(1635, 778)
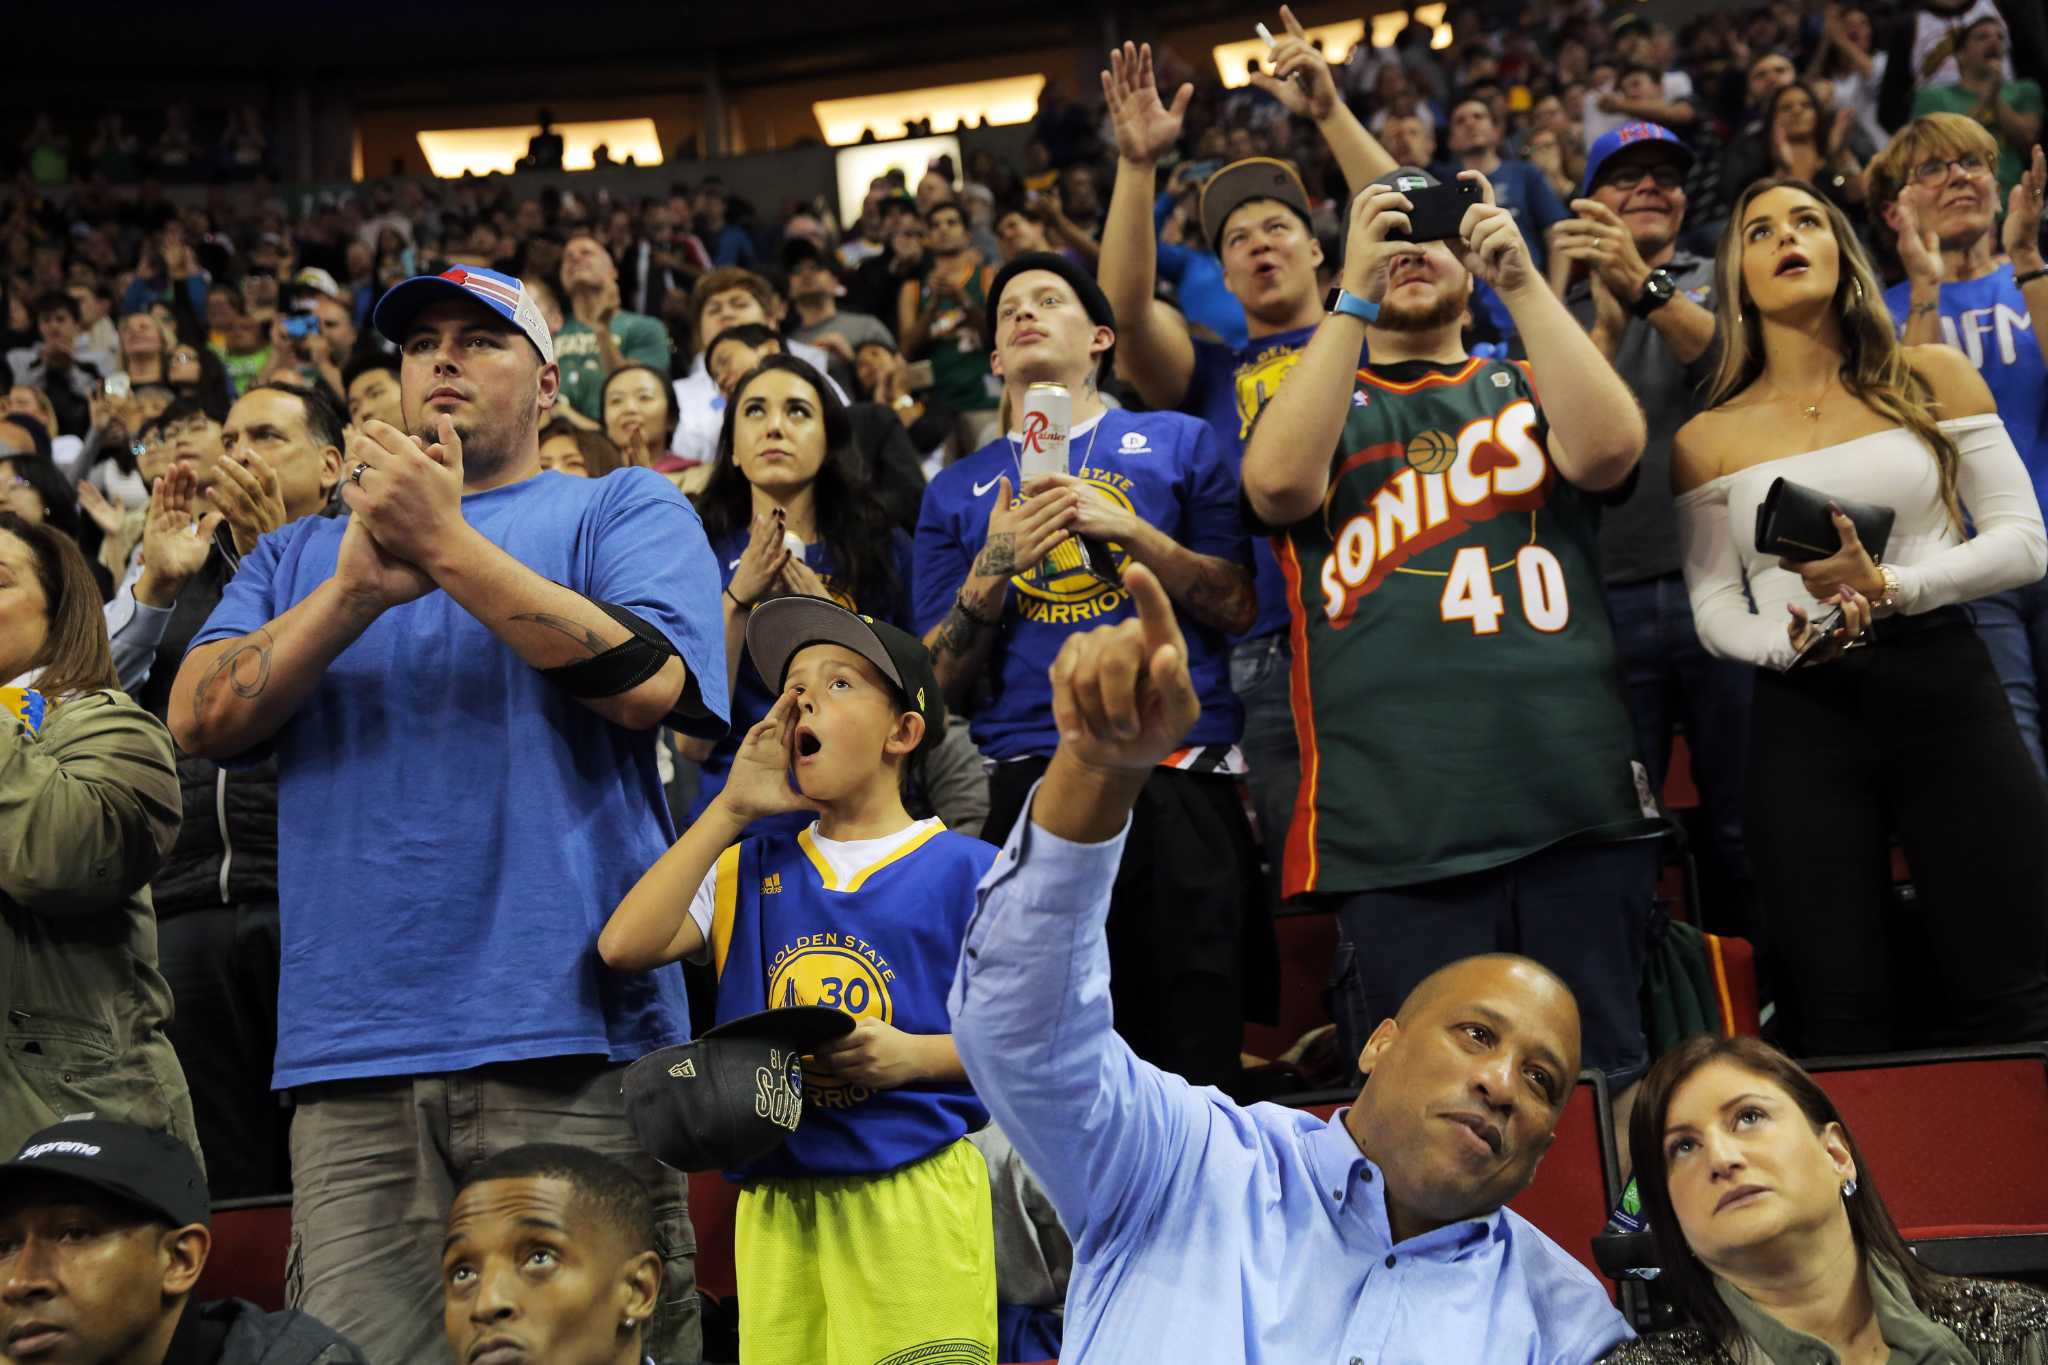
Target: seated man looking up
point(550, 1260)
point(1205, 1231)
point(104, 1230)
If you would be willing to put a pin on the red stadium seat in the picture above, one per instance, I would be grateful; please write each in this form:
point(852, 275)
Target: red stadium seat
point(1733, 964)
point(1579, 1181)
point(714, 1203)
point(1954, 1139)
point(1308, 945)
point(1679, 791)
point(251, 1242)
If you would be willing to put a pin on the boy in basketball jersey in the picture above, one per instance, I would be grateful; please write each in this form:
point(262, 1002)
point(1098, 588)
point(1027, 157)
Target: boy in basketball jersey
point(868, 1237)
point(1468, 783)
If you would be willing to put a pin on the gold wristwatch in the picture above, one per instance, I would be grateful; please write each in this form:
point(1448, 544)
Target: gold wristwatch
point(1891, 588)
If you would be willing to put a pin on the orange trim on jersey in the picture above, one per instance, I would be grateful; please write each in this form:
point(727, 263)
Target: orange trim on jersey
point(1721, 984)
point(1529, 375)
point(1299, 863)
point(1427, 381)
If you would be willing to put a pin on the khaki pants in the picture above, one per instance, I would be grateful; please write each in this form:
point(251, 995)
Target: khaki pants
point(374, 1169)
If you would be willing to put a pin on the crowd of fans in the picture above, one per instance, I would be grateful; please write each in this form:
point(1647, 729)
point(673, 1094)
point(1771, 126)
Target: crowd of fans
point(404, 690)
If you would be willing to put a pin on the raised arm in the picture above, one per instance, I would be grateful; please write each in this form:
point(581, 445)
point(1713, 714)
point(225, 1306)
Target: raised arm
point(232, 694)
point(1154, 351)
point(653, 924)
point(1599, 238)
point(1103, 1130)
point(1597, 430)
point(1302, 82)
point(2021, 237)
point(964, 636)
point(410, 500)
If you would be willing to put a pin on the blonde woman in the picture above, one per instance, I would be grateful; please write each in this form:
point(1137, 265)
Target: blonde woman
point(1895, 720)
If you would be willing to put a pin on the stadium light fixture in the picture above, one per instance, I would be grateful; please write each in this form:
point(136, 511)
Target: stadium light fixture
point(1010, 99)
point(453, 152)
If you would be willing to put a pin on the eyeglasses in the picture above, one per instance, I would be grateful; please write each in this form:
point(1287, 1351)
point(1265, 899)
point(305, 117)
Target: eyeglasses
point(1936, 171)
point(1628, 177)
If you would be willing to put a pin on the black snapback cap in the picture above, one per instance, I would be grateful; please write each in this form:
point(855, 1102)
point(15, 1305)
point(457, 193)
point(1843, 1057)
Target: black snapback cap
point(146, 1167)
point(781, 626)
point(732, 1096)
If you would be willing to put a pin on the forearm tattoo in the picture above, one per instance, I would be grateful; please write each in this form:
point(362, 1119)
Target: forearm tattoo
point(592, 643)
point(1221, 595)
point(998, 558)
point(244, 665)
point(960, 634)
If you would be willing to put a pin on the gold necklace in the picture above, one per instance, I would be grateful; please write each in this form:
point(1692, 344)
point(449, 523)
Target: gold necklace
point(1812, 410)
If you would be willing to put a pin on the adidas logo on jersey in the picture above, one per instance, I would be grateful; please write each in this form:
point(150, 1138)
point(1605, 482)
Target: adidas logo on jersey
point(771, 885)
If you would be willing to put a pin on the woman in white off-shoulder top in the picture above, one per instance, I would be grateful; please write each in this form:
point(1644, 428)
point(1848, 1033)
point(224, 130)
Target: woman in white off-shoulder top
point(1894, 723)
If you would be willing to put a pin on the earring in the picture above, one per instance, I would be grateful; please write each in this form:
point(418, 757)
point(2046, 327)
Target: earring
point(1859, 304)
point(629, 1323)
point(1849, 1188)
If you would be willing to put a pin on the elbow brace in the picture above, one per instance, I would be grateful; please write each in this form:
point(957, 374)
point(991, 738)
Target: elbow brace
point(621, 668)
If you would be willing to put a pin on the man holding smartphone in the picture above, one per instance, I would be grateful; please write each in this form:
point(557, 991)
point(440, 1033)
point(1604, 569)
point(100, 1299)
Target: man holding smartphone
point(1255, 216)
point(1468, 783)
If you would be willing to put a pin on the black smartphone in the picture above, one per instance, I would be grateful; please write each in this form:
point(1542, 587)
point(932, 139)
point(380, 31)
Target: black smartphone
point(1829, 624)
point(1439, 210)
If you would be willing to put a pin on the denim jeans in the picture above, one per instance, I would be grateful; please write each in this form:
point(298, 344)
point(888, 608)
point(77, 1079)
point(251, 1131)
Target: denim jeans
point(2014, 628)
point(1259, 673)
point(1668, 676)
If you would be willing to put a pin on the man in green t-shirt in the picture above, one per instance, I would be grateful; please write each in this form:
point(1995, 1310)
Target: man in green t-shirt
point(2009, 110)
point(600, 336)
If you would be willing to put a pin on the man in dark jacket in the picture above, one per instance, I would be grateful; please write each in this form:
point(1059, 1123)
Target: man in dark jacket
point(216, 895)
point(104, 1233)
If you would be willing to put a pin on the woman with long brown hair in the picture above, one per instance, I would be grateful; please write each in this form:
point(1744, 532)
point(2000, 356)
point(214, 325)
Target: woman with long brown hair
point(1896, 720)
point(1773, 1239)
point(88, 808)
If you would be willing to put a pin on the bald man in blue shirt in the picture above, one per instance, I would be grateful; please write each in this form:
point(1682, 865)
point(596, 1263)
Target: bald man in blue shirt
point(1206, 1231)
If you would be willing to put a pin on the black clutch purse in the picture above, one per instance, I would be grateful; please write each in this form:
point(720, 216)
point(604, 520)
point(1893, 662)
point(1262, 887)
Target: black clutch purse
point(1793, 523)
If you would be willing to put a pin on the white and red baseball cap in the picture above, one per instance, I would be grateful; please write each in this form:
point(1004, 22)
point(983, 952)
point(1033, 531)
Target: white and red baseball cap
point(502, 294)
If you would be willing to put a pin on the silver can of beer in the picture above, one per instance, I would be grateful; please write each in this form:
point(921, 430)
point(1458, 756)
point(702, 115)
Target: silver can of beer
point(1048, 414)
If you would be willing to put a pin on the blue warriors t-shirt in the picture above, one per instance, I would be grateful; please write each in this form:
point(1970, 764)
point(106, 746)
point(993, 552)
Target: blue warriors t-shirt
point(881, 942)
point(1987, 320)
point(1168, 469)
point(454, 829)
point(751, 699)
point(1226, 390)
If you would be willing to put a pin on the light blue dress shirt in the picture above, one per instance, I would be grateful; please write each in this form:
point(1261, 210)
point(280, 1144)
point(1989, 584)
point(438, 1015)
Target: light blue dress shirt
point(1204, 1231)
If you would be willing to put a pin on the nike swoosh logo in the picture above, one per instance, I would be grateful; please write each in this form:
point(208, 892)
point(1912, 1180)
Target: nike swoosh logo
point(981, 488)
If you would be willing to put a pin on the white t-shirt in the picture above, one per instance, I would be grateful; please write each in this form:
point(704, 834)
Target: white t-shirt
point(701, 407)
point(1677, 89)
point(846, 857)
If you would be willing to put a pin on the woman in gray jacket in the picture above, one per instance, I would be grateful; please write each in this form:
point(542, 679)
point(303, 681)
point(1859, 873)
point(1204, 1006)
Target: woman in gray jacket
point(88, 808)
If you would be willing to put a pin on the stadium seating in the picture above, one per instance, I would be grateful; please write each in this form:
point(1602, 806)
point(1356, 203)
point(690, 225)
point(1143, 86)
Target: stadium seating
point(251, 1243)
point(1955, 1139)
point(714, 1203)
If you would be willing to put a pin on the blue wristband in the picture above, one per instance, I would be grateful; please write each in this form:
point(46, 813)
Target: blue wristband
point(1348, 303)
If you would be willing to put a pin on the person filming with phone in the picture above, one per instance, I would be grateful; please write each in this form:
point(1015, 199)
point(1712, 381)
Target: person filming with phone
point(1437, 519)
point(1885, 715)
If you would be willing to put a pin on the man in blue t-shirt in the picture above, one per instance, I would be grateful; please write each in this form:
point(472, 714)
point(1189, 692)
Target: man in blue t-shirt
point(1982, 289)
point(461, 683)
point(1007, 569)
point(1255, 217)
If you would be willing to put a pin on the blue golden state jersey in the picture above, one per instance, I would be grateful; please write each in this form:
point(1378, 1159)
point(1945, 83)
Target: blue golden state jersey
point(882, 944)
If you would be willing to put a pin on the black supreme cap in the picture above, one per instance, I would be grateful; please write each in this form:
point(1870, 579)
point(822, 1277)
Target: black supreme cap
point(145, 1167)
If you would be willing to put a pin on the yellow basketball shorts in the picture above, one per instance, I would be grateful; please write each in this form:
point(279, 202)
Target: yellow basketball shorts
point(896, 1269)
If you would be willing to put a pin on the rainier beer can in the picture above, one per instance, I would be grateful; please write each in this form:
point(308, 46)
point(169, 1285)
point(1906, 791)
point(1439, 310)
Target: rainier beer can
point(1048, 414)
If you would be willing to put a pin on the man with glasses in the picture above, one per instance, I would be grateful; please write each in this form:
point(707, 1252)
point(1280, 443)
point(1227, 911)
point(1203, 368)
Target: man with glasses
point(1985, 293)
point(1647, 304)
